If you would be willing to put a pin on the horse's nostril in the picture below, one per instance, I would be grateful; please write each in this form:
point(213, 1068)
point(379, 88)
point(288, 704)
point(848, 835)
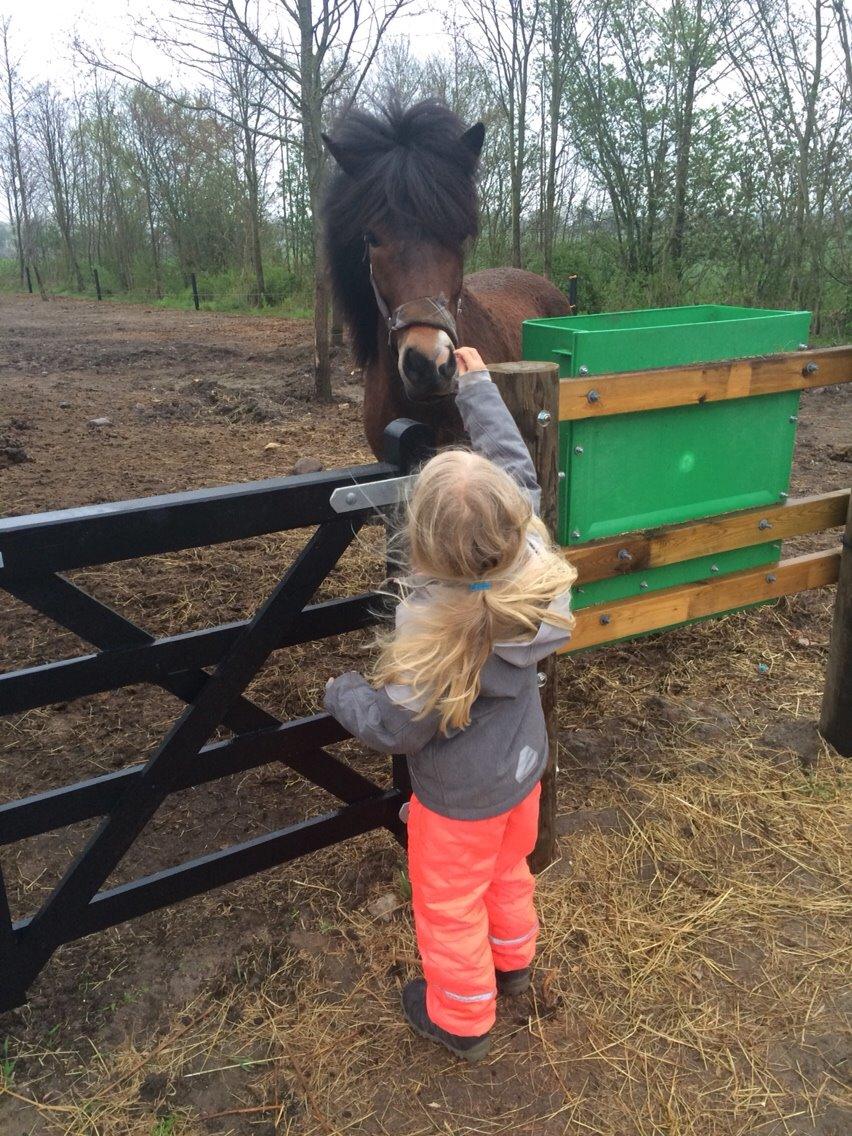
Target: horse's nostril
point(410, 363)
point(423, 375)
point(448, 370)
point(418, 370)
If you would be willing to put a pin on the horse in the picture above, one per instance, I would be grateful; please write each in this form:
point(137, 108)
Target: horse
point(398, 213)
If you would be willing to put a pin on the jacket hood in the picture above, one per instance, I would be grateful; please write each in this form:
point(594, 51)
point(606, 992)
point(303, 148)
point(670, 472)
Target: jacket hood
point(548, 638)
point(497, 679)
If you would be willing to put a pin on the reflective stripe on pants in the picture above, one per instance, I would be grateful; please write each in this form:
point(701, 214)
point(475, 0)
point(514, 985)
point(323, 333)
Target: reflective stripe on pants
point(472, 894)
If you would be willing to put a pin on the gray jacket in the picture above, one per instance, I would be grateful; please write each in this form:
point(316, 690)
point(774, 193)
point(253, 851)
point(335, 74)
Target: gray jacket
point(492, 764)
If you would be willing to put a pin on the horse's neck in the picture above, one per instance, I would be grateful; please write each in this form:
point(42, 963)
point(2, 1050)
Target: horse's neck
point(383, 397)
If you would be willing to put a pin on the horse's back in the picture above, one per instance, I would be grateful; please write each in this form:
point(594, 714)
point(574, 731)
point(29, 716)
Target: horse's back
point(496, 303)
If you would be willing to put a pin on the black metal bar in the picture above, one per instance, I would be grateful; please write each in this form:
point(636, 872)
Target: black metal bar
point(194, 283)
point(226, 866)
point(147, 526)
point(94, 621)
point(152, 659)
point(297, 743)
point(6, 936)
point(12, 990)
point(97, 283)
point(406, 443)
point(136, 806)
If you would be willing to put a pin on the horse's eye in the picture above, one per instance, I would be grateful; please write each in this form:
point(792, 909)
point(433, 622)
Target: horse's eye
point(371, 238)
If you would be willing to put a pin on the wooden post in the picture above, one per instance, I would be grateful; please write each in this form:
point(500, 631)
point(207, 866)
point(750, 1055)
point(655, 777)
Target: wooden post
point(836, 719)
point(29, 281)
point(531, 392)
point(194, 283)
point(97, 284)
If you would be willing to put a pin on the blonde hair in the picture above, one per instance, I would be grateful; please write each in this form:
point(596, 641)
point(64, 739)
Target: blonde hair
point(468, 522)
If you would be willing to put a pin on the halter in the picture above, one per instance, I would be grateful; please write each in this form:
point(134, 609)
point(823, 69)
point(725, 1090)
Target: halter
point(428, 311)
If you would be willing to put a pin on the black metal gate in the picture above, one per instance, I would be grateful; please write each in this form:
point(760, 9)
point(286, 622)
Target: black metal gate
point(34, 550)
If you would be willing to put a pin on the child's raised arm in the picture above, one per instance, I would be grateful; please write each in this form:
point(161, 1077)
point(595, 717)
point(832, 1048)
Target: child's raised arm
point(490, 426)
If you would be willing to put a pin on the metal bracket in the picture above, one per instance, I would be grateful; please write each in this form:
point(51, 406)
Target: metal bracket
point(370, 495)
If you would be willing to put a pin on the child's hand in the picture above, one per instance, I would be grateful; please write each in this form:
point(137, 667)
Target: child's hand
point(468, 359)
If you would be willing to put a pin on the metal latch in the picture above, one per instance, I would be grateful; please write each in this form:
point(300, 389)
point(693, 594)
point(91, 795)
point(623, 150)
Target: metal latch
point(371, 494)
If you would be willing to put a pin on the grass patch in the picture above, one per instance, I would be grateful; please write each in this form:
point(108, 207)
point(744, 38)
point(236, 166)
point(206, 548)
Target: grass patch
point(7, 1066)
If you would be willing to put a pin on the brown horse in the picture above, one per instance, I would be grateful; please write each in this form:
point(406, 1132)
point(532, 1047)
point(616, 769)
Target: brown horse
point(398, 213)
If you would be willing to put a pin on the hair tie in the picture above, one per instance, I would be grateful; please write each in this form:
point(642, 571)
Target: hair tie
point(479, 586)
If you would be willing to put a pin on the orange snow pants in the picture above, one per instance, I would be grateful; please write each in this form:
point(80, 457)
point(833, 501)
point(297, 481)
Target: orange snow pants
point(472, 894)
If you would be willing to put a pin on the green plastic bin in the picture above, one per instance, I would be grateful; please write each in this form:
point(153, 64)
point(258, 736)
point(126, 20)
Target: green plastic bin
point(661, 467)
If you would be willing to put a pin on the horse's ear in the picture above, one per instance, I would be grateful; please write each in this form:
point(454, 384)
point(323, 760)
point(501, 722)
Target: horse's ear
point(339, 154)
point(474, 138)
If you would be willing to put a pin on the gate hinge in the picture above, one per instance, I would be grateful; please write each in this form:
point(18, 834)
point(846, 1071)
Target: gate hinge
point(371, 494)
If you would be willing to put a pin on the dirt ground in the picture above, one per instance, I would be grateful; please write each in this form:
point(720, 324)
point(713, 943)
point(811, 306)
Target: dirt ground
point(695, 953)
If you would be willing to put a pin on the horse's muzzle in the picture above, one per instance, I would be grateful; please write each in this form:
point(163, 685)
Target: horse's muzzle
point(426, 378)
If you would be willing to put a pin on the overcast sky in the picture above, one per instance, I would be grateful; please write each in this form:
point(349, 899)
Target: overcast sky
point(43, 33)
point(43, 30)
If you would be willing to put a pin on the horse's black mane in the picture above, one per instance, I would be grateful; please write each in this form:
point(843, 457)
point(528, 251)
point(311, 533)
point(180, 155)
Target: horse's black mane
point(407, 168)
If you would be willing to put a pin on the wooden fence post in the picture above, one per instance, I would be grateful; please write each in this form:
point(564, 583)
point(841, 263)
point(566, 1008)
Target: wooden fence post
point(531, 392)
point(98, 292)
point(836, 718)
point(195, 298)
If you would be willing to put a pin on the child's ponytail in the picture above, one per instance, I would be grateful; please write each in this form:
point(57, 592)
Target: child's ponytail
point(486, 573)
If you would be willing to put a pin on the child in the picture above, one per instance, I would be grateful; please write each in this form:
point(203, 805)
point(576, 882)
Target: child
point(455, 688)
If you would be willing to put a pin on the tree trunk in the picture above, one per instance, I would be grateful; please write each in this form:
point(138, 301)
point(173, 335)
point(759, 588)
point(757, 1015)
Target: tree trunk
point(155, 251)
point(557, 82)
point(311, 115)
point(14, 214)
point(26, 237)
point(684, 148)
point(250, 171)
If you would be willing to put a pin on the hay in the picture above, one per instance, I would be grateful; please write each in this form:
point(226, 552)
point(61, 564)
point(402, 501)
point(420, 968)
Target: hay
point(695, 944)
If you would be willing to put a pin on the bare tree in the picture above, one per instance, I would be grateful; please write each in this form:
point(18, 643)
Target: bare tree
point(800, 95)
point(557, 19)
point(506, 33)
point(689, 35)
point(145, 173)
point(200, 35)
point(49, 125)
point(19, 174)
point(318, 50)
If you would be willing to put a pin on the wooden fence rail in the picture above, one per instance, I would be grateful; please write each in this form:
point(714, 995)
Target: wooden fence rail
point(636, 391)
point(597, 625)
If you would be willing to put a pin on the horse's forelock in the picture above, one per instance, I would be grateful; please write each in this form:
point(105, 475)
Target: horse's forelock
point(409, 170)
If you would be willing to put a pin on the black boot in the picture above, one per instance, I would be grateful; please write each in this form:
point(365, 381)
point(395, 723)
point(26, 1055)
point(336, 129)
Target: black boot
point(513, 982)
point(471, 1049)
